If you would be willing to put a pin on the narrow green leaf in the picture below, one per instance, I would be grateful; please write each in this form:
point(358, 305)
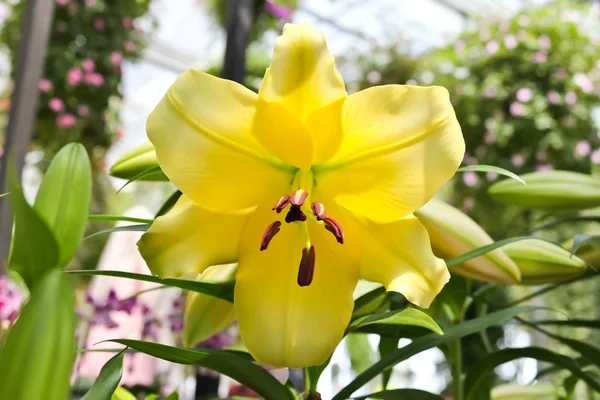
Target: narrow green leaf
point(119, 218)
point(173, 396)
point(168, 204)
point(427, 342)
point(226, 363)
point(152, 171)
point(367, 298)
point(63, 200)
point(385, 347)
point(404, 394)
point(573, 323)
point(481, 368)
point(126, 228)
point(30, 230)
point(395, 321)
point(108, 380)
point(491, 168)
point(38, 356)
point(4, 194)
point(221, 290)
point(484, 249)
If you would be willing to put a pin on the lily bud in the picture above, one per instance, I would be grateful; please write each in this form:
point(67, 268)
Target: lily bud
point(543, 262)
point(538, 391)
point(136, 161)
point(206, 315)
point(454, 233)
point(556, 190)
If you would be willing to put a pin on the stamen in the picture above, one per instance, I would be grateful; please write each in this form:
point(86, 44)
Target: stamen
point(334, 227)
point(281, 204)
point(306, 270)
point(295, 214)
point(298, 197)
point(271, 231)
point(318, 210)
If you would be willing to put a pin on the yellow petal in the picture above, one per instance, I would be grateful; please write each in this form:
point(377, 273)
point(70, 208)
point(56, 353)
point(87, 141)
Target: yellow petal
point(201, 130)
point(281, 323)
point(283, 134)
point(302, 75)
point(400, 144)
point(398, 255)
point(206, 315)
point(189, 239)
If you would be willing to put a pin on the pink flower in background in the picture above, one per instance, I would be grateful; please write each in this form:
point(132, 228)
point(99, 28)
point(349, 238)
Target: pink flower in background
point(484, 35)
point(480, 151)
point(99, 24)
point(127, 22)
point(568, 121)
point(596, 157)
point(491, 176)
point(571, 98)
point(522, 35)
point(541, 155)
point(517, 109)
point(504, 26)
point(492, 47)
point(524, 95)
point(74, 76)
point(56, 104)
point(44, 85)
point(129, 46)
point(66, 121)
point(88, 65)
point(553, 97)
point(517, 160)
point(490, 137)
point(489, 92)
point(470, 178)
point(544, 168)
point(90, 2)
point(523, 20)
point(584, 82)
point(83, 110)
point(540, 57)
point(468, 204)
point(277, 10)
point(62, 2)
point(94, 79)
point(10, 300)
point(545, 41)
point(510, 42)
point(561, 73)
point(583, 148)
point(116, 58)
point(459, 46)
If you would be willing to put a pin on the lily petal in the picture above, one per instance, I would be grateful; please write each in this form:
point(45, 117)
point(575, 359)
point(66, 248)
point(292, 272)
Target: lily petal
point(302, 75)
point(281, 323)
point(189, 239)
point(398, 255)
point(400, 144)
point(201, 130)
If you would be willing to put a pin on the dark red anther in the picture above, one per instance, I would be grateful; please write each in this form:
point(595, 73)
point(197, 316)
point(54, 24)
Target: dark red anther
point(318, 210)
point(334, 227)
point(298, 197)
point(306, 271)
point(269, 234)
point(295, 214)
point(281, 204)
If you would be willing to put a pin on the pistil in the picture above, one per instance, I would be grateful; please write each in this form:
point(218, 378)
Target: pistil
point(306, 270)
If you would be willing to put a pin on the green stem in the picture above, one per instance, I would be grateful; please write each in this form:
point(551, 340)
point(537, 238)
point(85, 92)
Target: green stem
point(310, 386)
point(456, 351)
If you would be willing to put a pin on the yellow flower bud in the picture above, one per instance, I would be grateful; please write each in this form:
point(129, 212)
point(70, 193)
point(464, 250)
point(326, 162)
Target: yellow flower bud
point(454, 233)
point(136, 161)
point(549, 190)
point(543, 262)
point(206, 315)
point(538, 391)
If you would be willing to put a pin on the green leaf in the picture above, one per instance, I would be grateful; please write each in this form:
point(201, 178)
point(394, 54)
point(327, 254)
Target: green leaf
point(404, 394)
point(481, 368)
point(491, 168)
point(385, 347)
point(221, 290)
point(63, 200)
point(574, 323)
point(119, 218)
point(126, 228)
point(245, 372)
point(173, 396)
point(122, 394)
point(108, 380)
point(4, 194)
point(168, 204)
point(427, 342)
point(394, 322)
point(150, 172)
point(366, 299)
point(30, 230)
point(38, 356)
point(484, 249)
point(581, 239)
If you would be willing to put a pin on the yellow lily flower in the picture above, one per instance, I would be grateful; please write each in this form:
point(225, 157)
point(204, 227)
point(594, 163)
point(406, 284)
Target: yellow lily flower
point(306, 188)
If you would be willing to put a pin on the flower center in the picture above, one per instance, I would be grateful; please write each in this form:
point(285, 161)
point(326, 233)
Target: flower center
point(296, 214)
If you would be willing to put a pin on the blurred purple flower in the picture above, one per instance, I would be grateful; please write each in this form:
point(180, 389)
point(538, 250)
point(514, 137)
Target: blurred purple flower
point(540, 57)
point(584, 82)
point(517, 160)
point(491, 176)
point(470, 178)
point(480, 151)
point(90, 2)
point(56, 104)
point(468, 204)
point(510, 42)
point(88, 65)
point(596, 157)
point(129, 46)
point(99, 24)
point(44, 85)
point(66, 121)
point(217, 342)
point(116, 58)
point(561, 73)
point(583, 148)
point(489, 137)
point(541, 155)
point(517, 109)
point(524, 95)
point(571, 98)
point(83, 110)
point(277, 10)
point(94, 79)
point(492, 47)
point(127, 22)
point(10, 300)
point(553, 97)
point(544, 168)
point(545, 41)
point(62, 2)
point(74, 76)
point(489, 92)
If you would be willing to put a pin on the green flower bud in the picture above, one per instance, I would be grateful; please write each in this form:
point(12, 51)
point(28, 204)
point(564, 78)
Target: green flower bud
point(137, 160)
point(538, 391)
point(454, 233)
point(206, 315)
point(556, 190)
point(543, 262)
